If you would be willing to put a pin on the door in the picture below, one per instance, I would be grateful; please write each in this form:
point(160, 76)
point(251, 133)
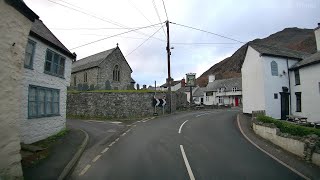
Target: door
point(236, 101)
point(284, 105)
point(201, 101)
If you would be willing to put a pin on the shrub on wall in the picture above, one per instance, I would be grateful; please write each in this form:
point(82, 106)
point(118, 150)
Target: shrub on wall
point(286, 127)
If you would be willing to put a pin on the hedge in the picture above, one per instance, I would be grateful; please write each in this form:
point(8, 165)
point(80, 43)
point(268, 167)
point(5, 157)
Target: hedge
point(286, 127)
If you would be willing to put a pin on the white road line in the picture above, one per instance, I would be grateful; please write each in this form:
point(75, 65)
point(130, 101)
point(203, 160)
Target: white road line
point(123, 134)
point(84, 170)
point(105, 150)
point(273, 157)
point(116, 140)
point(96, 158)
point(111, 144)
point(187, 163)
point(181, 126)
point(128, 130)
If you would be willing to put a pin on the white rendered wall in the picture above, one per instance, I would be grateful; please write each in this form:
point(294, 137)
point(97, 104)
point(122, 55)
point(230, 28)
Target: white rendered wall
point(36, 129)
point(274, 84)
point(253, 86)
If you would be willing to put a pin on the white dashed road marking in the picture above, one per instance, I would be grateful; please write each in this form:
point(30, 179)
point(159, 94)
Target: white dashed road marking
point(181, 126)
point(105, 150)
point(111, 144)
point(85, 169)
point(186, 162)
point(96, 158)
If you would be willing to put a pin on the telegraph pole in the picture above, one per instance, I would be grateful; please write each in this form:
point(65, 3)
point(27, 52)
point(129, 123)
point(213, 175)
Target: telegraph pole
point(168, 57)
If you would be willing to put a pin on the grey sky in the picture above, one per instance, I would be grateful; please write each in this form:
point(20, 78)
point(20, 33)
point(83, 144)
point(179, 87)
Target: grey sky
point(242, 20)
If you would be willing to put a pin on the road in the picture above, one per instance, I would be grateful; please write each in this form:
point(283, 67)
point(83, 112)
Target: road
point(193, 145)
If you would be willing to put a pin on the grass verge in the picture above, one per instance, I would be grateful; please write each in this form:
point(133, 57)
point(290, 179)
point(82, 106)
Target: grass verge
point(286, 127)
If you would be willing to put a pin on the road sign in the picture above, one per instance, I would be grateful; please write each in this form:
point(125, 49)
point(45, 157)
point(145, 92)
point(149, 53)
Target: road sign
point(159, 102)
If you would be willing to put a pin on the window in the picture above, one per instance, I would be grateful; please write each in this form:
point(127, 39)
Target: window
point(85, 77)
point(234, 89)
point(297, 76)
point(207, 98)
point(220, 100)
point(209, 93)
point(54, 64)
point(275, 95)
point(274, 68)
point(116, 73)
point(28, 60)
point(220, 90)
point(75, 80)
point(43, 102)
point(298, 101)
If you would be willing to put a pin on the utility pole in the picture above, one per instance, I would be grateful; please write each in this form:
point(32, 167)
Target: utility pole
point(168, 57)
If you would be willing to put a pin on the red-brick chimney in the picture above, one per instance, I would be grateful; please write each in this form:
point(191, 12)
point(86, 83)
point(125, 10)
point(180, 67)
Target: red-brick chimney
point(183, 82)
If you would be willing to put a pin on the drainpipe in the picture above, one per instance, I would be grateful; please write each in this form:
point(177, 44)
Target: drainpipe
point(289, 87)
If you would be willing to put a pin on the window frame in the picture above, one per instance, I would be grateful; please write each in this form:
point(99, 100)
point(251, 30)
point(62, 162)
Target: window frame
point(274, 68)
point(51, 72)
point(297, 77)
point(298, 102)
point(37, 102)
point(220, 98)
point(234, 89)
point(275, 96)
point(116, 73)
point(30, 66)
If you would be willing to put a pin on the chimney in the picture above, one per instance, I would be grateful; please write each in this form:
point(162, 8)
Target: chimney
point(144, 86)
point(212, 78)
point(75, 57)
point(183, 83)
point(317, 35)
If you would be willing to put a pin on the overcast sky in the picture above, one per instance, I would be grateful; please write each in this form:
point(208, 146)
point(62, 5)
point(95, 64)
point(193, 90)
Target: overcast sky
point(240, 20)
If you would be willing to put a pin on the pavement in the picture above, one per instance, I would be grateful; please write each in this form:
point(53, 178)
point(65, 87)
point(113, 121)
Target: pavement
point(307, 169)
point(190, 145)
point(60, 154)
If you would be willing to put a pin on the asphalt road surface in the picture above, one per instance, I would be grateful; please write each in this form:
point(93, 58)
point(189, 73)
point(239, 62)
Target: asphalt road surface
point(194, 145)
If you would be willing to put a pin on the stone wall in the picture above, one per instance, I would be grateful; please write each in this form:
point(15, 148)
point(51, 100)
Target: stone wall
point(14, 30)
point(119, 105)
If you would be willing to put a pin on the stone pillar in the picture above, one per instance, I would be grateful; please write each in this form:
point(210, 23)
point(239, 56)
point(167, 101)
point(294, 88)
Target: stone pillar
point(138, 87)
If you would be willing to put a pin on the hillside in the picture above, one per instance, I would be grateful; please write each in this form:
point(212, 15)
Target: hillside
point(292, 38)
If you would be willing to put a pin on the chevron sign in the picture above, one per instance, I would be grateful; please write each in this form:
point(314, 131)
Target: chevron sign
point(159, 102)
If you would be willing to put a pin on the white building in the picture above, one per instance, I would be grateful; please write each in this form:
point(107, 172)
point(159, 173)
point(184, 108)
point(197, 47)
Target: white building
point(305, 85)
point(44, 86)
point(223, 92)
point(265, 79)
point(175, 85)
point(198, 95)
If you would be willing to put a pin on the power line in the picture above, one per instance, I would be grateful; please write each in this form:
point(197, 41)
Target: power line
point(113, 36)
point(200, 43)
point(143, 42)
point(165, 10)
point(155, 8)
point(207, 32)
point(67, 29)
point(94, 16)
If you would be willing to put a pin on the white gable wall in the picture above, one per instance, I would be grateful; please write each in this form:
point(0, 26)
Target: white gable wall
point(274, 84)
point(253, 82)
point(36, 129)
point(310, 92)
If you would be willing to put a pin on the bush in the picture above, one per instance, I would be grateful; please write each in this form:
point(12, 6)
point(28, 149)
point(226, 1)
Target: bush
point(286, 127)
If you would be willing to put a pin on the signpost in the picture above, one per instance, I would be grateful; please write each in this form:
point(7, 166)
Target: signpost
point(159, 103)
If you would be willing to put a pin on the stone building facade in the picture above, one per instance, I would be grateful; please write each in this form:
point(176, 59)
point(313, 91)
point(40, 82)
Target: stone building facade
point(44, 85)
point(105, 70)
point(15, 23)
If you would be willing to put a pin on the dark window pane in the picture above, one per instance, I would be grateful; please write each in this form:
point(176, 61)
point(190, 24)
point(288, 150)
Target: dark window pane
point(56, 108)
point(297, 77)
point(56, 58)
point(27, 60)
point(49, 56)
point(32, 94)
point(47, 66)
point(32, 109)
point(41, 100)
point(55, 68)
point(49, 102)
point(274, 68)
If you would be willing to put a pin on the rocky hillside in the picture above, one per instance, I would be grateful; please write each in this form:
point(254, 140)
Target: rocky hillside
point(292, 38)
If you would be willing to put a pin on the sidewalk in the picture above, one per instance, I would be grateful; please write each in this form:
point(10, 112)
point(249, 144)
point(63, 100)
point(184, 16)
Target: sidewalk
point(60, 154)
point(307, 169)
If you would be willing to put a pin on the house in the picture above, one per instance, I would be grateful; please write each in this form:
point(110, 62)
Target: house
point(198, 95)
point(265, 79)
point(175, 85)
point(305, 85)
point(223, 92)
point(105, 70)
point(46, 75)
point(16, 19)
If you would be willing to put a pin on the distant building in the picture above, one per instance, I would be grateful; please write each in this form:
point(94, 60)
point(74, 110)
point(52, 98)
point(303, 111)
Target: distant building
point(46, 75)
point(105, 70)
point(265, 79)
point(198, 95)
point(175, 85)
point(223, 92)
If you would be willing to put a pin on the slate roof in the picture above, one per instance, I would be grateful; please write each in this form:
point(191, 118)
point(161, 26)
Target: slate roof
point(173, 84)
point(185, 89)
point(39, 30)
point(278, 51)
point(20, 6)
point(90, 61)
point(132, 80)
point(228, 84)
point(199, 92)
point(313, 59)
